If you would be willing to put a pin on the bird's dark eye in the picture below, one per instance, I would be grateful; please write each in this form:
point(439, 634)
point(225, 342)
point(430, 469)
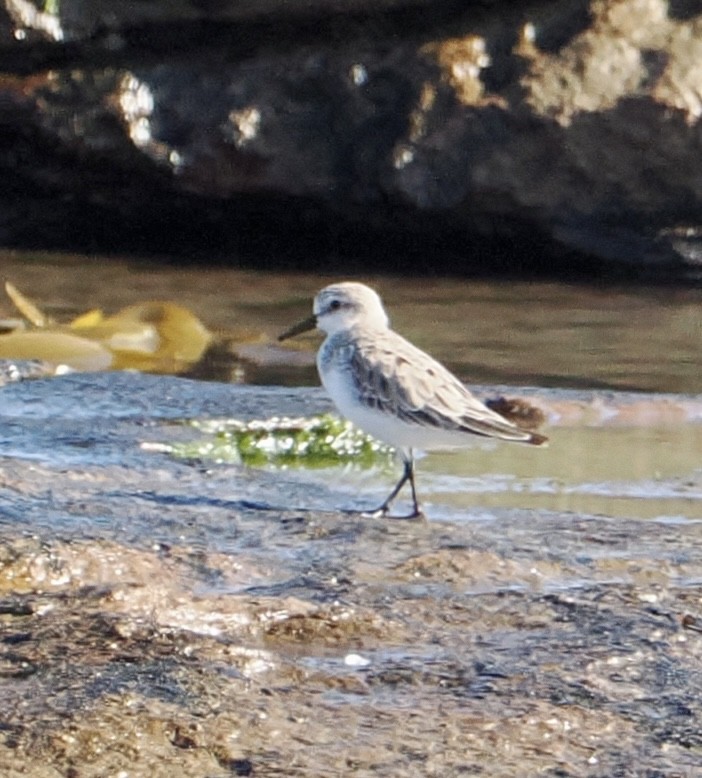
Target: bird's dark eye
point(334, 305)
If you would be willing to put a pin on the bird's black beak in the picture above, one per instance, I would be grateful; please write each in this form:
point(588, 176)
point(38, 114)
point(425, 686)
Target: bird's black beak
point(303, 326)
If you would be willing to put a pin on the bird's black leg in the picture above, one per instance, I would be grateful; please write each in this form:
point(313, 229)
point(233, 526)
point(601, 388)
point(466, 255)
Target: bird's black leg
point(407, 475)
point(416, 511)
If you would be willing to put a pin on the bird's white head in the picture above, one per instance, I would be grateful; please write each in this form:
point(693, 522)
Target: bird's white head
point(340, 306)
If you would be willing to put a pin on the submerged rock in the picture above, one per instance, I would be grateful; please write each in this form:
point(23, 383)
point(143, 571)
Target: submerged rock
point(162, 617)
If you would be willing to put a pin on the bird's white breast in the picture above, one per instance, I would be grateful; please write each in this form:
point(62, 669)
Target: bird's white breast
point(337, 379)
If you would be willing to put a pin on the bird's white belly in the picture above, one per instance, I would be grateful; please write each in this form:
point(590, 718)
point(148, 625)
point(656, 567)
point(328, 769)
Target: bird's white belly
point(383, 425)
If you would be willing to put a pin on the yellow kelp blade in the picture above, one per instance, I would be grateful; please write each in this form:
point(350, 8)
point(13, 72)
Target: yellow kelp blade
point(58, 348)
point(156, 336)
point(26, 307)
point(119, 334)
point(90, 318)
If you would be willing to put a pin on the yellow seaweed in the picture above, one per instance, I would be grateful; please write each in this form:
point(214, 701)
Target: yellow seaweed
point(156, 336)
point(88, 319)
point(26, 307)
point(58, 348)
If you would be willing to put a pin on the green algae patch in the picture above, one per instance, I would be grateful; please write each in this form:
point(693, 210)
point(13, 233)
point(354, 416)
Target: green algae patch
point(315, 441)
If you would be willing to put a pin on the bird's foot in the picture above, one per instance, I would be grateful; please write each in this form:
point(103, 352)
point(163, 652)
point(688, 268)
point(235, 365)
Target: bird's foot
point(383, 512)
point(378, 513)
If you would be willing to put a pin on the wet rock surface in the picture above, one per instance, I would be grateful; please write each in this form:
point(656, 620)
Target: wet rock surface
point(157, 615)
point(558, 138)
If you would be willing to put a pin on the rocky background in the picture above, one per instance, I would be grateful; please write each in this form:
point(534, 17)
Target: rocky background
point(533, 137)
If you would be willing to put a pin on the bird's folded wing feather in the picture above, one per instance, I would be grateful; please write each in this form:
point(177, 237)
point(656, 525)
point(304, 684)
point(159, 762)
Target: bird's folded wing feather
point(394, 376)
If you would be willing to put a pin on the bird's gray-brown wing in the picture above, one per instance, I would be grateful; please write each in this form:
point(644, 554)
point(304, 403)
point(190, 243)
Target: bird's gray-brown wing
point(392, 375)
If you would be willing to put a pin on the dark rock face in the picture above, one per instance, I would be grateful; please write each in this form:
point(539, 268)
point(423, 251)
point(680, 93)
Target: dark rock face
point(428, 135)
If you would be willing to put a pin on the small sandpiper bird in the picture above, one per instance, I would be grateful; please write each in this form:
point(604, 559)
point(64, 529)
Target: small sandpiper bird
point(390, 388)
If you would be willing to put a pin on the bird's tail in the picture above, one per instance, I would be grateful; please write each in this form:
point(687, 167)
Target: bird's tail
point(522, 414)
point(536, 440)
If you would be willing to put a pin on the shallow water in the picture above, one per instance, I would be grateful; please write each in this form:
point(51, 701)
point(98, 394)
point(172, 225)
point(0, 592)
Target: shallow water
point(647, 473)
point(541, 334)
